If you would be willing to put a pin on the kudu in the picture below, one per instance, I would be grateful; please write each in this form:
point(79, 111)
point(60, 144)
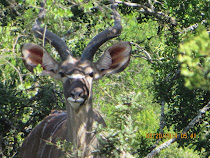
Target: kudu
point(74, 125)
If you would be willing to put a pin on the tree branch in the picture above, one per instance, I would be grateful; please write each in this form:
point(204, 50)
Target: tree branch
point(157, 14)
point(13, 5)
point(192, 27)
point(162, 117)
point(20, 77)
point(145, 52)
point(200, 115)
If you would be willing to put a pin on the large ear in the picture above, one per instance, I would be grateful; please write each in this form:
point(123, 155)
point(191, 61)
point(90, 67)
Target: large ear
point(34, 55)
point(115, 59)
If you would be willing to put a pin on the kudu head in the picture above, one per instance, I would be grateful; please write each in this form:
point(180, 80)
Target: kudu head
point(77, 74)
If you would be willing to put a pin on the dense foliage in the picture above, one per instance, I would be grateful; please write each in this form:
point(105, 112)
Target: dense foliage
point(161, 91)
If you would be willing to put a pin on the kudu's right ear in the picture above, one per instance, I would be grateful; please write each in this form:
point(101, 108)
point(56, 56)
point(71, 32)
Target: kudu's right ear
point(34, 55)
point(115, 59)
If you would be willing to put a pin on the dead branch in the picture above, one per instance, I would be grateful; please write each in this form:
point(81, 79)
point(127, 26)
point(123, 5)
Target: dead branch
point(157, 14)
point(148, 57)
point(199, 117)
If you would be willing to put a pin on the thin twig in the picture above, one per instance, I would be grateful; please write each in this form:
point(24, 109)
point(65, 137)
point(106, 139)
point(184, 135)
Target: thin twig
point(15, 43)
point(13, 5)
point(21, 79)
point(143, 49)
point(107, 93)
point(162, 117)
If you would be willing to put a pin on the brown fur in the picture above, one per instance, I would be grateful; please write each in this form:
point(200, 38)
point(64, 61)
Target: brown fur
point(76, 125)
point(51, 129)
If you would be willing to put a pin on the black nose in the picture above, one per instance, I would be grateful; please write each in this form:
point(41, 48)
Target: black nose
point(76, 94)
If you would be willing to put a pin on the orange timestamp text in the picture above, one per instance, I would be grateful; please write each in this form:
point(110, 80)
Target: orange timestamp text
point(170, 135)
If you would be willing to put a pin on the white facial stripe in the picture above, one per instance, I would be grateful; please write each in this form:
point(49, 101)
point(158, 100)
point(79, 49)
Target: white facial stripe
point(97, 76)
point(88, 70)
point(76, 76)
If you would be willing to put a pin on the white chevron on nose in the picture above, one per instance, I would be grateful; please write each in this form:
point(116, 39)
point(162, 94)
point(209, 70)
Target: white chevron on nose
point(76, 76)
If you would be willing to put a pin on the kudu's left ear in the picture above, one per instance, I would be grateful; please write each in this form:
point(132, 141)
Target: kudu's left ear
point(34, 55)
point(115, 59)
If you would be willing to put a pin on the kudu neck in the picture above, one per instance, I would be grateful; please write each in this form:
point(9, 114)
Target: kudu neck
point(79, 122)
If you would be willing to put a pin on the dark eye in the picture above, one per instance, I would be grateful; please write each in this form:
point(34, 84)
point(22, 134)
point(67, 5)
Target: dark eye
point(62, 74)
point(91, 74)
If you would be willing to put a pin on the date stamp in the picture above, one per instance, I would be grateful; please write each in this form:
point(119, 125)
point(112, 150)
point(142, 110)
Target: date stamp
point(169, 135)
